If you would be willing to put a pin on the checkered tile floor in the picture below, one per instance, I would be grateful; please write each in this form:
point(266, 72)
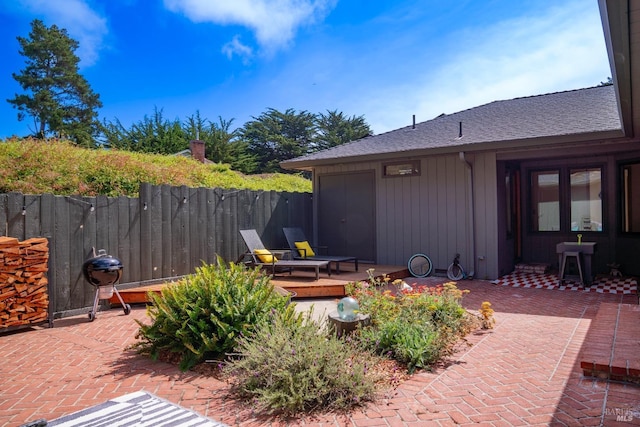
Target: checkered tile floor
point(607, 285)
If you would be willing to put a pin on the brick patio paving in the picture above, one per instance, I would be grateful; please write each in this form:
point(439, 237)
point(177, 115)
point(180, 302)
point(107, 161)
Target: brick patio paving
point(524, 372)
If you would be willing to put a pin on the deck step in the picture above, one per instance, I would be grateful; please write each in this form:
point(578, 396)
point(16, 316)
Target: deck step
point(612, 346)
point(536, 268)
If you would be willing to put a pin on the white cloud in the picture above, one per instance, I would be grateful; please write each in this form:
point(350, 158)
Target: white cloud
point(81, 22)
point(237, 48)
point(561, 50)
point(274, 22)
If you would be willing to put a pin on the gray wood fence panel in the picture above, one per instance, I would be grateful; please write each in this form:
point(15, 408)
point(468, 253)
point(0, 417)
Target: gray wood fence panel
point(3, 214)
point(103, 224)
point(113, 246)
point(282, 216)
point(216, 218)
point(168, 239)
point(73, 221)
point(243, 203)
point(264, 210)
point(210, 238)
point(203, 235)
point(214, 231)
point(47, 217)
point(122, 212)
point(61, 248)
point(78, 213)
point(279, 216)
point(195, 249)
point(154, 210)
point(185, 238)
point(232, 216)
point(190, 212)
point(32, 217)
point(179, 203)
point(228, 242)
point(134, 240)
point(177, 224)
point(255, 209)
point(271, 230)
point(242, 206)
point(301, 214)
point(146, 233)
point(89, 238)
point(15, 219)
point(251, 206)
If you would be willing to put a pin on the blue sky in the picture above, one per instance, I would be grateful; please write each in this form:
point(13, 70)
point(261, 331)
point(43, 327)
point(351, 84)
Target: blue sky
point(384, 60)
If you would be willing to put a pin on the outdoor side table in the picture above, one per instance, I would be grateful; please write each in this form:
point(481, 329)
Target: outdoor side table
point(586, 249)
point(342, 326)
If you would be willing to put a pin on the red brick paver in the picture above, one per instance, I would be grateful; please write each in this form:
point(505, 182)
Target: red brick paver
point(523, 372)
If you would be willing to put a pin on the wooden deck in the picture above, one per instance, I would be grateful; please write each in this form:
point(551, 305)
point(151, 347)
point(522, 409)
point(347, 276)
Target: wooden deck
point(302, 283)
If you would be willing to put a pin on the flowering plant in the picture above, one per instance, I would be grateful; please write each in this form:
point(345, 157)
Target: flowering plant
point(414, 325)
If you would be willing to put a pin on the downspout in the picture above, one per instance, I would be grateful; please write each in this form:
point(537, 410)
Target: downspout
point(473, 213)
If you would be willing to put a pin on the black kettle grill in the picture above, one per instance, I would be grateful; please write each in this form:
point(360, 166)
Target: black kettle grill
point(103, 272)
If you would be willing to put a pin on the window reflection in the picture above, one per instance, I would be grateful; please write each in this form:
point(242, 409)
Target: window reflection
point(545, 194)
point(586, 199)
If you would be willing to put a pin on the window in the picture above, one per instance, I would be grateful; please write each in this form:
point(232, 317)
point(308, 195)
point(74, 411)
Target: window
point(631, 198)
point(409, 168)
point(567, 199)
point(545, 200)
point(586, 199)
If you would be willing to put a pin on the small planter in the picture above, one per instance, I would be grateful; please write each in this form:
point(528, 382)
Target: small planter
point(284, 292)
point(342, 326)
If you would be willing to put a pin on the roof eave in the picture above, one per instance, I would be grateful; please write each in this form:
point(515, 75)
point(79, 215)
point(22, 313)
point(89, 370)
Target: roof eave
point(615, 25)
point(555, 141)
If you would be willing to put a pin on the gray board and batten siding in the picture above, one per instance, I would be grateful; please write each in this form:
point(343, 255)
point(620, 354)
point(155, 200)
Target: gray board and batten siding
point(432, 212)
point(164, 234)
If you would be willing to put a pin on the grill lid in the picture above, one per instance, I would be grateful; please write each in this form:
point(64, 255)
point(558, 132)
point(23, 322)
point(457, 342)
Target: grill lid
point(102, 270)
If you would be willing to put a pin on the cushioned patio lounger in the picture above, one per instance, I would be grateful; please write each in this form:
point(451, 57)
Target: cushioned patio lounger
point(277, 259)
point(301, 249)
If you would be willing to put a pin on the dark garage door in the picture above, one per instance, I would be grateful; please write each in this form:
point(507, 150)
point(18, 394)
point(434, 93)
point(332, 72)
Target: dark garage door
point(346, 208)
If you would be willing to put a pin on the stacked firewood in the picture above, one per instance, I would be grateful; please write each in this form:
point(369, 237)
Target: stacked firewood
point(24, 299)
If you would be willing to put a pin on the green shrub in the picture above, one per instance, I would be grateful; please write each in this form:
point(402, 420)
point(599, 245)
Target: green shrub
point(290, 368)
point(417, 328)
point(205, 314)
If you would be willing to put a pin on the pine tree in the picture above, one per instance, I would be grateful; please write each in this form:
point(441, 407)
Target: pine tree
point(58, 98)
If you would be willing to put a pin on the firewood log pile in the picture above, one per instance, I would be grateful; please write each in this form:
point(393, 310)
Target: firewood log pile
point(24, 297)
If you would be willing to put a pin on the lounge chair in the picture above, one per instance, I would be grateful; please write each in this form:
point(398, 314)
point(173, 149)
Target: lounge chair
point(301, 249)
point(276, 259)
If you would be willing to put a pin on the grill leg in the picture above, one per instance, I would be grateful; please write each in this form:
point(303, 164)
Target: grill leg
point(125, 307)
point(92, 313)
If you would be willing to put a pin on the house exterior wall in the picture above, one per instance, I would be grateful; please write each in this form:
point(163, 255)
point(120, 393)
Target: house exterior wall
point(486, 216)
point(433, 213)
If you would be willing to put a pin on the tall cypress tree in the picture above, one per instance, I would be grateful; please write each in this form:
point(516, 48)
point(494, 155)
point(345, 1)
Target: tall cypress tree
point(57, 97)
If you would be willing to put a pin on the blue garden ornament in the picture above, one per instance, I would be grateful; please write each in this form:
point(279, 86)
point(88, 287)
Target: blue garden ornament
point(347, 308)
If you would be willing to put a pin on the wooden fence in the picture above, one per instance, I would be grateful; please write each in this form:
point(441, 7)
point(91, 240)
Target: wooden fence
point(165, 233)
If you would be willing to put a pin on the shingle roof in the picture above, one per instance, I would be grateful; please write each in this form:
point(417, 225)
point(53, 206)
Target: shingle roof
point(582, 111)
